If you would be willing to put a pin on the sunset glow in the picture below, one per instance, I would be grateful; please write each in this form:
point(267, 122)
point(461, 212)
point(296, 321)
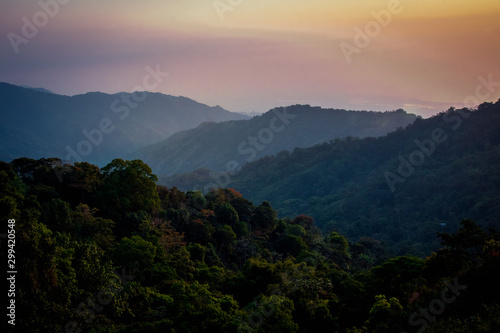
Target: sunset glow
point(263, 53)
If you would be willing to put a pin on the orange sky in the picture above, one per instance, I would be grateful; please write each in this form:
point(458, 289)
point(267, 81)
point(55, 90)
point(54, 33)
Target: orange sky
point(259, 54)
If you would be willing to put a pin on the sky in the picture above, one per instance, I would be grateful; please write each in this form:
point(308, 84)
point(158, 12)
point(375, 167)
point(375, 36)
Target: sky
point(252, 55)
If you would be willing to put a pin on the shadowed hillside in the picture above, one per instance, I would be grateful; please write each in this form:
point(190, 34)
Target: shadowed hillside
point(94, 127)
point(229, 145)
point(399, 188)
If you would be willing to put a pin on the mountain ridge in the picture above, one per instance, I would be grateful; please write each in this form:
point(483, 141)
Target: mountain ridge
point(400, 188)
point(95, 127)
point(227, 146)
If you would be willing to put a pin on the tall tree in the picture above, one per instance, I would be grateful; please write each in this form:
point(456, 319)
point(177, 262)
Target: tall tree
point(128, 186)
point(263, 218)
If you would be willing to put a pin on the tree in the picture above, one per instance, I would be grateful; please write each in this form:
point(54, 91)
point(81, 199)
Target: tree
point(196, 308)
point(80, 181)
point(225, 237)
point(270, 314)
point(469, 238)
point(385, 315)
point(196, 200)
point(135, 253)
point(397, 277)
point(227, 215)
point(243, 207)
point(90, 228)
point(169, 238)
point(303, 220)
point(38, 171)
point(11, 192)
point(128, 186)
point(173, 198)
point(221, 195)
point(338, 242)
point(263, 218)
point(290, 244)
point(244, 249)
point(462, 251)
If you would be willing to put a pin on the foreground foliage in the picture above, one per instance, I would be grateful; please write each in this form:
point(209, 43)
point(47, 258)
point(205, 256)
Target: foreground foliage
point(109, 251)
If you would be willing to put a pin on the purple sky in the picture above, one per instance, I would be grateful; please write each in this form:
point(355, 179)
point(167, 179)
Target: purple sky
point(423, 56)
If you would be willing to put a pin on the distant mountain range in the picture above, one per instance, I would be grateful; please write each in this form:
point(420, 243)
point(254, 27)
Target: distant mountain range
point(229, 145)
point(400, 188)
point(38, 89)
point(93, 127)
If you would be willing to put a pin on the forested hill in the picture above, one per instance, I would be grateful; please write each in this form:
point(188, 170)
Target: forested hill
point(108, 251)
point(369, 186)
point(94, 127)
point(230, 145)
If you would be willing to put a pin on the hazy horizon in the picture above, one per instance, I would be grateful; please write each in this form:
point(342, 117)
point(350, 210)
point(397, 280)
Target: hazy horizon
point(249, 56)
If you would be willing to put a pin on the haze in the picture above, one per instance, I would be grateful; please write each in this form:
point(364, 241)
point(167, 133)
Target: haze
point(261, 53)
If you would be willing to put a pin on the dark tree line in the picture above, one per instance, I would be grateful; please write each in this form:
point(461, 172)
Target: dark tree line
point(107, 250)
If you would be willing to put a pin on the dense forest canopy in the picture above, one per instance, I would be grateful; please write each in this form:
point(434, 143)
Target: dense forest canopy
point(400, 188)
point(108, 250)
